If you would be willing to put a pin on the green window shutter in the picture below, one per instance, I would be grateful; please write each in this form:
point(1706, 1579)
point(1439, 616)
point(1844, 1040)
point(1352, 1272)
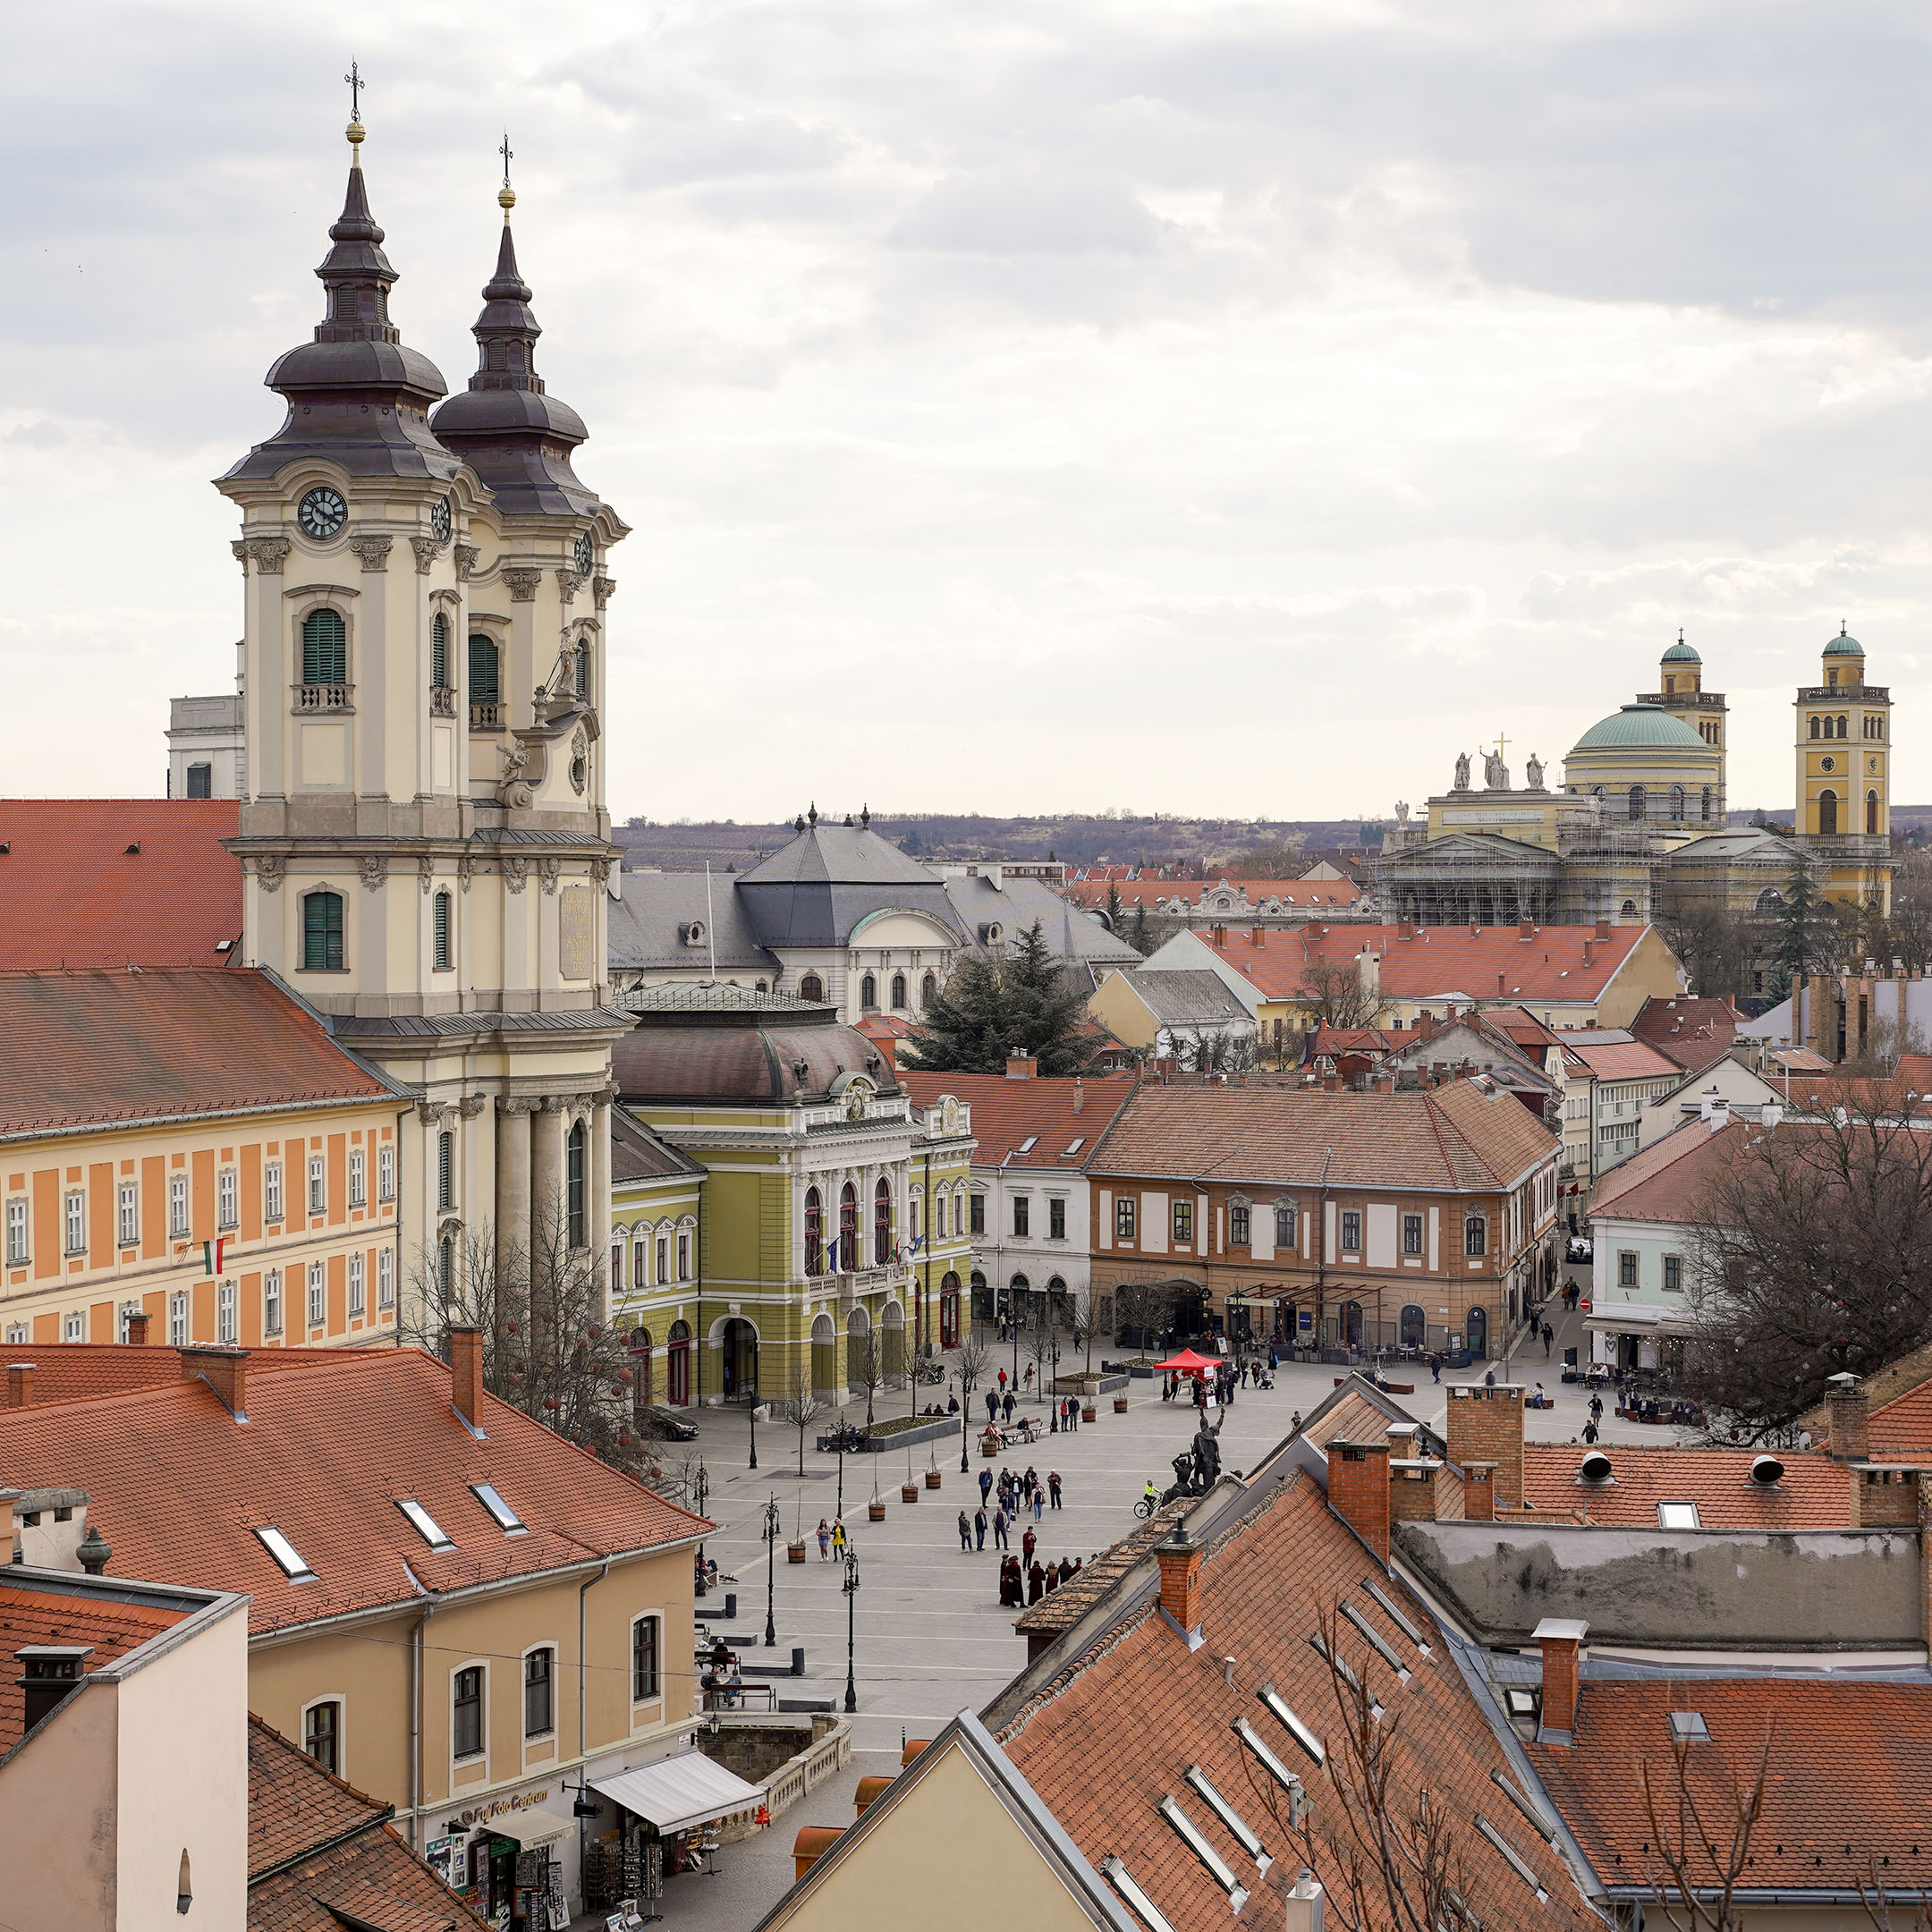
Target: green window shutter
point(482, 669)
point(445, 1170)
point(439, 652)
point(322, 932)
point(325, 649)
point(442, 920)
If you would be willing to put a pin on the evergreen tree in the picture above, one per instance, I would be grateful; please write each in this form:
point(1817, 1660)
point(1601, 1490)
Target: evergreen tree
point(1138, 938)
point(1113, 907)
point(990, 1009)
point(1798, 921)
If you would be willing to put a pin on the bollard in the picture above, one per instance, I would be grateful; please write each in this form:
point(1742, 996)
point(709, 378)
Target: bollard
point(798, 1660)
point(731, 1605)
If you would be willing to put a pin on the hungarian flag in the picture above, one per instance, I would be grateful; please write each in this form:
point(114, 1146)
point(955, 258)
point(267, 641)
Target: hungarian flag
point(211, 1256)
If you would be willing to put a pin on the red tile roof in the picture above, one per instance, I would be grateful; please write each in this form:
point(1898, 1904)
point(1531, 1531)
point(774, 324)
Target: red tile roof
point(1850, 1765)
point(91, 1049)
point(1298, 894)
point(154, 1459)
point(1441, 960)
point(322, 1855)
point(1665, 1180)
point(1615, 1060)
point(1006, 1112)
point(1693, 1032)
point(1110, 1734)
point(75, 895)
point(39, 1613)
point(1815, 1493)
point(82, 1371)
point(1449, 1139)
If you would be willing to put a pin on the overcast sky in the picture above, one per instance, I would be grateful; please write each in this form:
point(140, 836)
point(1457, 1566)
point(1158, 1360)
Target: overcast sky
point(1062, 405)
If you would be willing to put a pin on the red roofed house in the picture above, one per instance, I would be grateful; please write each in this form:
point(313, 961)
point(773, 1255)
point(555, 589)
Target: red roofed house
point(1419, 1219)
point(435, 1589)
point(191, 1145)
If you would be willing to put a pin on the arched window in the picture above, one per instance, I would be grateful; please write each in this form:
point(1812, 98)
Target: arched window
point(1871, 813)
point(848, 1228)
point(1841, 727)
point(899, 991)
point(928, 986)
point(814, 1233)
point(868, 992)
point(584, 670)
point(1637, 803)
point(1827, 814)
point(440, 923)
point(439, 653)
point(811, 989)
point(1814, 727)
point(1676, 803)
point(322, 932)
point(576, 1165)
point(485, 677)
point(1599, 792)
point(325, 649)
point(881, 1231)
point(1704, 809)
point(1475, 1236)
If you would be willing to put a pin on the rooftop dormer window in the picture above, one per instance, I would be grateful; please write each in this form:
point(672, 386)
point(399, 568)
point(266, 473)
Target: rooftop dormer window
point(424, 1524)
point(506, 1519)
point(286, 1556)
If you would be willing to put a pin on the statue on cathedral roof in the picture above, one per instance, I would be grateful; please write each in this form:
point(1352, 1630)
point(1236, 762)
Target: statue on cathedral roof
point(1533, 773)
point(1461, 771)
point(1495, 772)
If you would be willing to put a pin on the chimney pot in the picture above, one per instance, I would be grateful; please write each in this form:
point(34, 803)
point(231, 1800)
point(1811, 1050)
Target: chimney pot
point(1478, 1492)
point(1080, 1094)
point(1485, 1429)
point(19, 1384)
point(466, 1374)
point(1849, 1407)
point(1179, 1560)
point(137, 1328)
point(1358, 1490)
point(224, 1369)
point(1561, 1641)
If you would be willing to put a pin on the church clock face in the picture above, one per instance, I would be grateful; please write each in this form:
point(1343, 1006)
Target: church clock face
point(439, 520)
point(321, 515)
point(583, 552)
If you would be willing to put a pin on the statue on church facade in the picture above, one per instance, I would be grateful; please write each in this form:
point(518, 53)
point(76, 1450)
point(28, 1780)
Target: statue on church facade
point(1533, 773)
point(1461, 771)
point(1495, 772)
point(1401, 813)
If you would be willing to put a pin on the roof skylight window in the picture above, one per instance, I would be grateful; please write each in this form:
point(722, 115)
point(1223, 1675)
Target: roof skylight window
point(1381, 1599)
point(1197, 1779)
point(1297, 1730)
point(1678, 1516)
point(1381, 1649)
point(1144, 1907)
point(1516, 1863)
point(1688, 1727)
point(506, 1519)
point(1218, 1867)
point(1075, 1146)
point(1028, 1145)
point(424, 1524)
point(285, 1553)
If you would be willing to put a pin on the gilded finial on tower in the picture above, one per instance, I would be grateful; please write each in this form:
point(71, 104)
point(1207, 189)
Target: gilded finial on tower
point(354, 82)
point(506, 194)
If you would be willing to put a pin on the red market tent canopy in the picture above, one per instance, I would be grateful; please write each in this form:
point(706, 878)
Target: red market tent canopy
point(1186, 1362)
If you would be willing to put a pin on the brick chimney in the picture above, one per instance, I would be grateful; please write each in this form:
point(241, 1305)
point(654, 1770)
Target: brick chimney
point(1560, 1641)
point(1884, 1498)
point(1080, 1094)
point(1384, 1083)
point(1487, 1425)
point(1415, 1485)
point(1358, 1490)
point(1478, 1492)
point(224, 1369)
point(137, 1327)
point(1331, 1084)
point(1259, 935)
point(1502, 984)
point(1525, 930)
point(1021, 1066)
point(1849, 1407)
point(19, 1384)
point(1179, 1560)
point(1586, 952)
point(466, 1374)
point(1603, 928)
point(1405, 930)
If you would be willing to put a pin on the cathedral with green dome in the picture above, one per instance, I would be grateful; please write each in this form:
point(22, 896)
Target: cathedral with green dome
point(1639, 825)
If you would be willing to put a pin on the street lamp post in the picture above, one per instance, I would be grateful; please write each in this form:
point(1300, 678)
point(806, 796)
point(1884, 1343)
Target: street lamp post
point(851, 1588)
point(701, 1488)
point(753, 1412)
point(1237, 1306)
point(965, 1423)
point(771, 1568)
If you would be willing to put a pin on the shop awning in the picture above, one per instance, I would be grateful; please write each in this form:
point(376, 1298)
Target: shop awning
point(531, 1829)
point(1636, 1317)
point(678, 1793)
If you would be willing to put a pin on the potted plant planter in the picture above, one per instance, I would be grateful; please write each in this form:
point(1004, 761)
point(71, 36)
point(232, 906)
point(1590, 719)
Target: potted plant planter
point(876, 1510)
point(989, 1445)
point(1089, 1413)
point(1120, 1405)
point(795, 1552)
point(909, 1492)
point(932, 1479)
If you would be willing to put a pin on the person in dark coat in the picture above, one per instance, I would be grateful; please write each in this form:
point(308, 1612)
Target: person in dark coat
point(999, 1529)
point(992, 1405)
point(1053, 1580)
point(1008, 1405)
point(1066, 1569)
point(1027, 1543)
point(1052, 1487)
point(1035, 1583)
point(979, 1527)
point(986, 1485)
point(965, 1530)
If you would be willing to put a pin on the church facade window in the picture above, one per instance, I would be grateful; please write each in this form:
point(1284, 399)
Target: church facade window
point(898, 990)
point(1704, 809)
point(1677, 803)
point(439, 652)
point(576, 1162)
point(1637, 803)
point(442, 941)
point(1827, 814)
point(868, 992)
point(811, 989)
point(201, 781)
point(325, 649)
point(322, 932)
point(1871, 813)
point(484, 680)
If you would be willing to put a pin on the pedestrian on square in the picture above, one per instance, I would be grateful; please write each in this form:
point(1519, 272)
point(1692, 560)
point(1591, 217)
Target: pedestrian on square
point(1039, 1501)
point(1052, 1579)
point(1589, 1430)
point(1550, 1335)
point(1008, 1404)
point(1294, 1423)
point(1035, 1583)
point(1052, 1484)
point(1028, 1543)
point(979, 1528)
point(1066, 1569)
point(838, 1536)
point(992, 1406)
point(986, 1485)
point(1028, 1378)
point(999, 1529)
point(1033, 1479)
point(1435, 1365)
point(1003, 1381)
point(825, 1540)
point(965, 1530)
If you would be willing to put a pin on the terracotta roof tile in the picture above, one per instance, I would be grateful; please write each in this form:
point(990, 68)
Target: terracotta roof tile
point(86, 1048)
point(1692, 1032)
point(1454, 1138)
point(35, 1614)
point(1850, 1766)
point(75, 895)
point(1625, 1060)
point(157, 1459)
point(1665, 1180)
point(79, 1371)
point(1007, 1113)
point(1814, 1494)
point(1063, 1608)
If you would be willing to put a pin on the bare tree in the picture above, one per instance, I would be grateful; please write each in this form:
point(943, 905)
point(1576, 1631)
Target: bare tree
point(1331, 993)
point(865, 1364)
point(547, 1347)
point(1143, 1309)
point(802, 1404)
point(1081, 1325)
point(1041, 1339)
point(1701, 1842)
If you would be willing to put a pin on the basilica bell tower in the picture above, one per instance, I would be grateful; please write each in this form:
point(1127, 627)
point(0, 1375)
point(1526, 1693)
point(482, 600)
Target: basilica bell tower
point(423, 832)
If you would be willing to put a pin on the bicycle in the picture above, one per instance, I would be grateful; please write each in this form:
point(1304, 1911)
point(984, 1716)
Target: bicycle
point(1146, 1506)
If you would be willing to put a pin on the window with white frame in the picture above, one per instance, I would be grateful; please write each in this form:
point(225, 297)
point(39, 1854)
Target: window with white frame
point(272, 1191)
point(664, 1257)
point(683, 1258)
point(386, 1279)
point(358, 1289)
point(73, 1326)
point(177, 1319)
point(16, 1229)
point(227, 1198)
point(76, 1218)
point(127, 1213)
point(16, 1331)
point(271, 1303)
point(385, 1173)
point(317, 1296)
point(177, 1205)
point(227, 1314)
point(639, 1264)
point(318, 1184)
point(359, 1179)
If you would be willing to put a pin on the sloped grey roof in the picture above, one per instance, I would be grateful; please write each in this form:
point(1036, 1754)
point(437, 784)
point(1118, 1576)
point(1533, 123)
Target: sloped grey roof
point(1068, 932)
point(647, 924)
point(828, 880)
point(1188, 998)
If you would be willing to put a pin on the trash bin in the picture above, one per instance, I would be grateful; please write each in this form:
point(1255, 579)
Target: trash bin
point(798, 1660)
point(731, 1605)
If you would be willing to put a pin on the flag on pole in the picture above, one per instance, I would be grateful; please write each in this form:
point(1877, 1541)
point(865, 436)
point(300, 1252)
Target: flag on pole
point(211, 1256)
point(831, 1256)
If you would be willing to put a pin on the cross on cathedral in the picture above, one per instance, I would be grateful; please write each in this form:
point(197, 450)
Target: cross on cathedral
point(1502, 744)
point(508, 156)
point(355, 83)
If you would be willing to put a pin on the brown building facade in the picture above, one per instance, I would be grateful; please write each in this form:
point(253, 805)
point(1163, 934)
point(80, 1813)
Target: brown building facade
point(1424, 1219)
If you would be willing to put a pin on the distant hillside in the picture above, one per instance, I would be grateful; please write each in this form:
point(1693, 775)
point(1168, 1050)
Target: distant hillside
point(1076, 839)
